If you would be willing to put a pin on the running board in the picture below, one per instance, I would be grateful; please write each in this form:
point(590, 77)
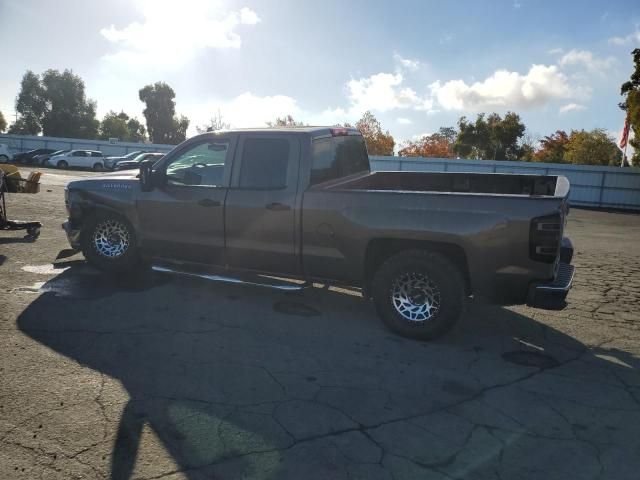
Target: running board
point(225, 279)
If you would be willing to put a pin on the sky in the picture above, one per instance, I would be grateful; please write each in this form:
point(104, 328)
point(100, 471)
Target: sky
point(417, 65)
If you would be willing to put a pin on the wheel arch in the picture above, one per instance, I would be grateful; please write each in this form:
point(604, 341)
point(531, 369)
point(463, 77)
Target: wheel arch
point(380, 249)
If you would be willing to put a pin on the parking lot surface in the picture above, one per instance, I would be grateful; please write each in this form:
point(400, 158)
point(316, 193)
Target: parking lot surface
point(154, 376)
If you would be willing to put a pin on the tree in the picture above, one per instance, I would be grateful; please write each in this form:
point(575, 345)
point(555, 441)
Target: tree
point(592, 148)
point(215, 123)
point(3, 123)
point(286, 122)
point(552, 148)
point(31, 104)
point(68, 112)
point(162, 123)
point(492, 137)
point(436, 145)
point(119, 125)
point(631, 104)
point(378, 142)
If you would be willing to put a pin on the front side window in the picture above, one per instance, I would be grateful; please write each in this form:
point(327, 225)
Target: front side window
point(202, 164)
point(265, 162)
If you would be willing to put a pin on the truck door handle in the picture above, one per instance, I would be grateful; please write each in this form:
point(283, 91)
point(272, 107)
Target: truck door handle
point(207, 202)
point(277, 206)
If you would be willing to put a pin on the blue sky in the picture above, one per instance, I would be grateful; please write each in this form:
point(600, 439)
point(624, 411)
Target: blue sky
point(417, 65)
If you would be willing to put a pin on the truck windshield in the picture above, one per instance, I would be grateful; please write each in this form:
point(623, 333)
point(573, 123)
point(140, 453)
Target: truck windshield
point(337, 157)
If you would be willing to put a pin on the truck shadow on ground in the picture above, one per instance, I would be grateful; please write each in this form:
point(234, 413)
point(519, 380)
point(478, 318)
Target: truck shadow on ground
point(235, 384)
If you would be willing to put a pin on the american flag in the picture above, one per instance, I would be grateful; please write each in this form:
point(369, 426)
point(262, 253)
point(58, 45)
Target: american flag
point(625, 133)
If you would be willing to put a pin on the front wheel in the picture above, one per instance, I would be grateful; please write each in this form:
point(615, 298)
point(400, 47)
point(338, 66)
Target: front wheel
point(419, 294)
point(109, 242)
point(98, 167)
point(4, 159)
point(62, 164)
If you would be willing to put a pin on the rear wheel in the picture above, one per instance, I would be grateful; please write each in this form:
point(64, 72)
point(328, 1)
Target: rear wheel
point(109, 243)
point(419, 294)
point(62, 164)
point(4, 159)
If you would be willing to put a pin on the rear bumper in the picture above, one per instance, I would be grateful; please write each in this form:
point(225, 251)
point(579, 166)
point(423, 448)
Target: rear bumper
point(73, 235)
point(552, 294)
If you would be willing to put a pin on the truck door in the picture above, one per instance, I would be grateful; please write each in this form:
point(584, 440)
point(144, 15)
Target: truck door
point(184, 219)
point(260, 212)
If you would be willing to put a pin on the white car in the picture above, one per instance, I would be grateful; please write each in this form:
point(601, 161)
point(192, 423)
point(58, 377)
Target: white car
point(92, 159)
point(5, 155)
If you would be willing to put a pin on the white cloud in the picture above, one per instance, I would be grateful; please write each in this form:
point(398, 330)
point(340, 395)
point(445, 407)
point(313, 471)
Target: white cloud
point(571, 107)
point(504, 89)
point(627, 39)
point(246, 110)
point(406, 63)
point(174, 32)
point(586, 59)
point(404, 121)
point(556, 51)
point(383, 92)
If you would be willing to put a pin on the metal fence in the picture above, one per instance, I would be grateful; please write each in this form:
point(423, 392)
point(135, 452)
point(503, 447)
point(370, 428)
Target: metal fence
point(24, 143)
point(608, 187)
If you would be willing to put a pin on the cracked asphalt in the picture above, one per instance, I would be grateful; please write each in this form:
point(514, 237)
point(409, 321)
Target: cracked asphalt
point(153, 376)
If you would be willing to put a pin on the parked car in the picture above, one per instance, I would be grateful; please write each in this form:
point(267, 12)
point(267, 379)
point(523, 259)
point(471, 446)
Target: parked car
point(135, 163)
point(44, 158)
point(92, 159)
point(28, 157)
point(111, 162)
point(302, 203)
point(5, 154)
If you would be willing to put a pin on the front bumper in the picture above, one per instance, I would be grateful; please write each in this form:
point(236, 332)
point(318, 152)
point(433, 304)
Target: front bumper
point(73, 235)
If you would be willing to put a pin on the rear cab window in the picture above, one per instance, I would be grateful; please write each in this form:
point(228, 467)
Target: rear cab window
point(337, 157)
point(265, 163)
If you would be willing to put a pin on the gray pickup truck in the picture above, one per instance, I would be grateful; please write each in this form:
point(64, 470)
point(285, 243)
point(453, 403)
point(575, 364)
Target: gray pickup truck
point(302, 204)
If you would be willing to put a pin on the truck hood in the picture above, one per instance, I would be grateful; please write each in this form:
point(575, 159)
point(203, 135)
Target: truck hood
point(120, 180)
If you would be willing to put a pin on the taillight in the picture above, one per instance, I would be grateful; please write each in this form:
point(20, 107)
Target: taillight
point(545, 235)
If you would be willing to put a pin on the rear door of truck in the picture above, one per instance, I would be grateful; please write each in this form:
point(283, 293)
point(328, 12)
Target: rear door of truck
point(260, 213)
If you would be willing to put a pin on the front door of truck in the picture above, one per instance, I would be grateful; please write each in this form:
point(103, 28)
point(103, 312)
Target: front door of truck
point(184, 218)
point(260, 212)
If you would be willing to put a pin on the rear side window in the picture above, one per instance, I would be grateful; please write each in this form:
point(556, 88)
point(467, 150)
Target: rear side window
point(265, 162)
point(337, 157)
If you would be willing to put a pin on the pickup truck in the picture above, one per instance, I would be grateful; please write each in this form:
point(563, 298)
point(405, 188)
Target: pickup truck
point(259, 205)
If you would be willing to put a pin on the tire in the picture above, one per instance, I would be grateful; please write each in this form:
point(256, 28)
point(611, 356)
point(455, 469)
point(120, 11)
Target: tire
point(436, 300)
point(4, 159)
point(62, 164)
point(108, 242)
point(98, 167)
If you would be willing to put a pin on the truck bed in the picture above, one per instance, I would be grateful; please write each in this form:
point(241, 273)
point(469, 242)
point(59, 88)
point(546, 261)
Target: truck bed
point(471, 183)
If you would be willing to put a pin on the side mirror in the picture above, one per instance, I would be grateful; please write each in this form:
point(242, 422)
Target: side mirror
point(146, 176)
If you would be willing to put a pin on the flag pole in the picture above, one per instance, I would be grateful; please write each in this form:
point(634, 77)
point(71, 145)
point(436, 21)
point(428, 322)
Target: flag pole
point(624, 154)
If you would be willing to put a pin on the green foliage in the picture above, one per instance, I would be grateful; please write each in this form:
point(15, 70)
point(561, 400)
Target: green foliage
point(631, 104)
point(592, 148)
point(31, 104)
point(3, 123)
point(162, 124)
point(119, 125)
point(286, 122)
point(489, 138)
point(55, 104)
